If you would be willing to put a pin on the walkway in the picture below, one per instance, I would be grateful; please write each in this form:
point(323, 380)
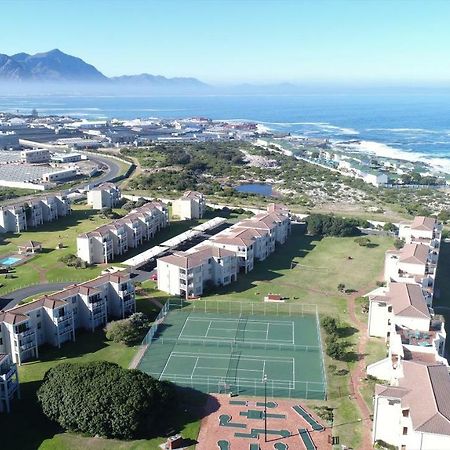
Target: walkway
point(359, 373)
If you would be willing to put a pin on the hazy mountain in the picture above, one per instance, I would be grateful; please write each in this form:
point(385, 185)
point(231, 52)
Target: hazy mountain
point(53, 66)
point(145, 79)
point(57, 70)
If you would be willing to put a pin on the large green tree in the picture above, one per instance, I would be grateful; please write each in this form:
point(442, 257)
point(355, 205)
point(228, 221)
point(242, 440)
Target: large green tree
point(102, 398)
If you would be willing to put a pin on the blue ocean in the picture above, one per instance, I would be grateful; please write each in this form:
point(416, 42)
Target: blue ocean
point(414, 126)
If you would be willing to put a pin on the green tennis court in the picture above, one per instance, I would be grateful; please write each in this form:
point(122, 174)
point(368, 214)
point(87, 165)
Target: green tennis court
point(228, 352)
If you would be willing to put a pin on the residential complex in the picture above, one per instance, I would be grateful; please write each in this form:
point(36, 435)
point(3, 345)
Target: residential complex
point(410, 412)
point(32, 213)
point(104, 243)
point(53, 319)
point(190, 206)
point(107, 195)
point(218, 260)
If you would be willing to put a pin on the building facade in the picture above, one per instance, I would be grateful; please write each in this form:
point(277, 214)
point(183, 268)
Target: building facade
point(107, 195)
point(103, 244)
point(53, 319)
point(190, 206)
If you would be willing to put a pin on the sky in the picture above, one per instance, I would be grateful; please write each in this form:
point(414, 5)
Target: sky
point(235, 41)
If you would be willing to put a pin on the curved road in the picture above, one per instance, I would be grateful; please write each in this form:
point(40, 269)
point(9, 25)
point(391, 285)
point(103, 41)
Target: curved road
point(13, 298)
point(113, 170)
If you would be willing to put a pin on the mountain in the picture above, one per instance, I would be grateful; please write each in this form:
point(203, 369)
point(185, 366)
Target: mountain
point(145, 79)
point(53, 66)
point(56, 69)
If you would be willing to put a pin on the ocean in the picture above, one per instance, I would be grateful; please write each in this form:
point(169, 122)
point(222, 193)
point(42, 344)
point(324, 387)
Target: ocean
point(412, 126)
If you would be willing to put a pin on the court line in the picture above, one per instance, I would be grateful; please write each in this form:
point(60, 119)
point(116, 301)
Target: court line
point(195, 366)
point(260, 342)
point(267, 331)
point(222, 319)
point(264, 369)
point(207, 330)
point(293, 334)
point(184, 326)
point(215, 355)
point(165, 366)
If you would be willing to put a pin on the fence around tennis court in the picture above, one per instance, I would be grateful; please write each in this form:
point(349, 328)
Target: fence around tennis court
point(309, 390)
point(229, 307)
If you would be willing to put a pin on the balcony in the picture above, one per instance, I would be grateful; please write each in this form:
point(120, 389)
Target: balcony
point(27, 345)
point(65, 318)
point(26, 333)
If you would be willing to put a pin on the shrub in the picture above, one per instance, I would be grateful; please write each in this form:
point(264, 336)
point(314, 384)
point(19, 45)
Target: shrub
point(101, 398)
point(72, 260)
point(388, 226)
point(341, 287)
point(362, 241)
point(330, 325)
point(399, 243)
point(122, 331)
point(128, 206)
point(328, 225)
point(336, 349)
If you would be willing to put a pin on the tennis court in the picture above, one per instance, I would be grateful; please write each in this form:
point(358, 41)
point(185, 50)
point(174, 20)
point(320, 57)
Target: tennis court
point(218, 351)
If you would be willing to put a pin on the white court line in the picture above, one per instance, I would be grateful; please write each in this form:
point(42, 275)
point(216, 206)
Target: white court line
point(195, 366)
point(165, 367)
point(293, 334)
point(222, 319)
point(184, 326)
point(267, 331)
point(264, 369)
point(209, 326)
point(242, 358)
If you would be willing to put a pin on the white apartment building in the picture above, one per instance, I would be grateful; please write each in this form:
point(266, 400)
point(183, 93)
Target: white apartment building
point(422, 230)
point(107, 195)
point(33, 213)
point(9, 382)
point(186, 274)
point(35, 156)
point(190, 206)
point(53, 319)
point(414, 263)
point(104, 243)
point(414, 412)
point(248, 240)
point(12, 219)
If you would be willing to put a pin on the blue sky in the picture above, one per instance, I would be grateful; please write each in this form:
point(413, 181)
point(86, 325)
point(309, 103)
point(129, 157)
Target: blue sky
point(231, 41)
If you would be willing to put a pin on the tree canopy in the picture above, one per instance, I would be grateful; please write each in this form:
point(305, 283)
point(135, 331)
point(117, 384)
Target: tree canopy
point(102, 398)
point(329, 225)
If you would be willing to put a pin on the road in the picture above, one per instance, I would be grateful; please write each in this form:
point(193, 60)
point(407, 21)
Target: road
point(113, 170)
point(13, 298)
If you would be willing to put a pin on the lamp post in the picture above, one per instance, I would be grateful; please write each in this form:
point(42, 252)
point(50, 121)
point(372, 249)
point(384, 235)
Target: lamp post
point(265, 407)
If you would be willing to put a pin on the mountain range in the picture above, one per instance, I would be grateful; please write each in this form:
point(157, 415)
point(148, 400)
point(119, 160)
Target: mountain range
point(57, 67)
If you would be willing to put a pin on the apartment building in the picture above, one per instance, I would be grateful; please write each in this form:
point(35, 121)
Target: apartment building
point(53, 319)
point(103, 244)
point(422, 230)
point(107, 195)
point(190, 206)
point(248, 240)
point(414, 263)
point(187, 274)
point(33, 213)
point(9, 382)
point(413, 412)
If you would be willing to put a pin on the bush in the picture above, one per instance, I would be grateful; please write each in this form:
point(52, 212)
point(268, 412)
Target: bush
point(341, 287)
point(72, 260)
point(328, 225)
point(129, 330)
point(388, 226)
point(362, 241)
point(336, 349)
point(109, 213)
point(399, 243)
point(330, 325)
point(128, 206)
point(101, 398)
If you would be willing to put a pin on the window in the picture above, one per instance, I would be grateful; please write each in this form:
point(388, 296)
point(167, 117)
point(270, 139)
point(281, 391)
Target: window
point(38, 314)
point(405, 413)
point(405, 431)
point(39, 326)
point(389, 308)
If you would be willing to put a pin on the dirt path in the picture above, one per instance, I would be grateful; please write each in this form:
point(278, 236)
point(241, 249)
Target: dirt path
point(359, 372)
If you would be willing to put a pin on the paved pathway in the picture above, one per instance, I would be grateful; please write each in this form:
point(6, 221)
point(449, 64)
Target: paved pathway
point(358, 373)
point(13, 298)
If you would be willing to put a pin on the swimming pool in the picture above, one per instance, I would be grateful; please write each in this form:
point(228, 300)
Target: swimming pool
point(9, 261)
